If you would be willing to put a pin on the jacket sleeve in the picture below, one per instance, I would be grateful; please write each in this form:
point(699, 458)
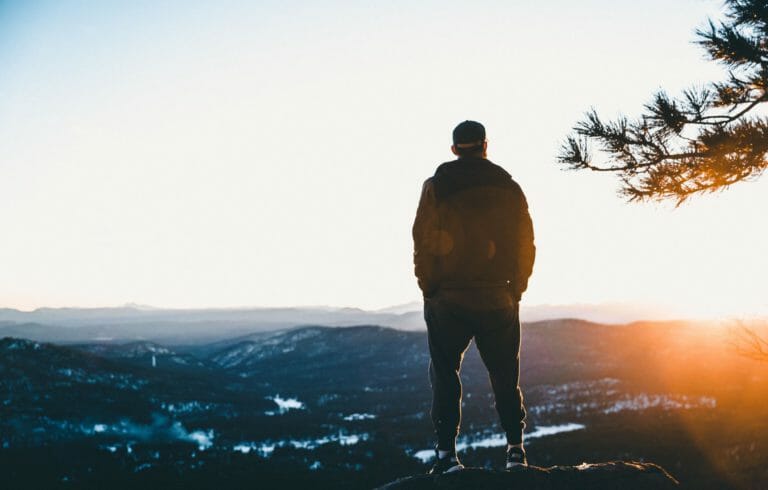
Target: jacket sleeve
point(424, 230)
point(526, 249)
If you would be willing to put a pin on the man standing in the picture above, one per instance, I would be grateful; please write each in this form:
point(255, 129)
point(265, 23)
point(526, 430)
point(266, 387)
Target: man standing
point(473, 254)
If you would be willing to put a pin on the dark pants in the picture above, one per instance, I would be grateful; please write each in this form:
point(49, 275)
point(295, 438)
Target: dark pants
point(450, 328)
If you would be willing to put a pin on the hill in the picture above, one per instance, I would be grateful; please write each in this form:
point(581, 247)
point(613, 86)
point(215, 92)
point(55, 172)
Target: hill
point(349, 407)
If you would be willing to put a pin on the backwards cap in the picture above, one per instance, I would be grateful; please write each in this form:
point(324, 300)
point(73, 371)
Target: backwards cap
point(468, 134)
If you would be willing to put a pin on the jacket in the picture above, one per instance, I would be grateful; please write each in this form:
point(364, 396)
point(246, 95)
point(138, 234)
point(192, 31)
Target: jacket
point(472, 230)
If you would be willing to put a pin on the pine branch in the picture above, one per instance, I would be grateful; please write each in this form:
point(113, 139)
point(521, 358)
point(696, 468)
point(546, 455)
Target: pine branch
point(731, 46)
point(701, 142)
point(746, 342)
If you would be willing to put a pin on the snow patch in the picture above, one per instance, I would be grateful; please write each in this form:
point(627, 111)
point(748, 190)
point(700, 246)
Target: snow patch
point(266, 448)
point(666, 402)
point(161, 429)
point(187, 407)
point(203, 439)
point(604, 396)
point(497, 440)
point(550, 430)
point(359, 416)
point(285, 404)
point(425, 455)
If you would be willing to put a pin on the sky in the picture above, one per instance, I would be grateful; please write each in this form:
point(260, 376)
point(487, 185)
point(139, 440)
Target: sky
point(222, 154)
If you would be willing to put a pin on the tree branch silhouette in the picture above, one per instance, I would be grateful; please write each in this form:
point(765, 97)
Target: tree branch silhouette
point(706, 140)
point(749, 344)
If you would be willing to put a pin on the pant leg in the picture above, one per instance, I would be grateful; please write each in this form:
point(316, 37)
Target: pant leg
point(498, 340)
point(448, 336)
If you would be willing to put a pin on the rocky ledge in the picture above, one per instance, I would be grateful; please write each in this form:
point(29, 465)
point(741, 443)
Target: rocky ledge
point(624, 475)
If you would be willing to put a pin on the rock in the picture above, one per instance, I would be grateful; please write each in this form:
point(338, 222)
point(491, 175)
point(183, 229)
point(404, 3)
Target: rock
point(624, 475)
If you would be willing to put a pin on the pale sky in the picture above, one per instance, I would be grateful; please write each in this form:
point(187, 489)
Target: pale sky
point(217, 154)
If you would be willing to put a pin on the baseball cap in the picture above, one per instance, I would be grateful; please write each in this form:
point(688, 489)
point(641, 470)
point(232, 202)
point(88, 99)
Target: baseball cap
point(468, 134)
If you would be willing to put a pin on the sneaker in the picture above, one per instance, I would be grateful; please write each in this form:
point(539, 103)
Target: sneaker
point(516, 457)
point(446, 464)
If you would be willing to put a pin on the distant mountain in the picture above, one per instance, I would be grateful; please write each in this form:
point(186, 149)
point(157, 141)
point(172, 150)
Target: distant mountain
point(128, 350)
point(348, 407)
point(203, 326)
point(176, 326)
point(403, 308)
point(263, 318)
point(611, 313)
point(65, 393)
point(46, 333)
point(45, 386)
point(143, 353)
point(328, 358)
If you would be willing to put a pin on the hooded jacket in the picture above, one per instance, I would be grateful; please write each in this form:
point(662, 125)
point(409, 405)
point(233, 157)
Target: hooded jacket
point(472, 230)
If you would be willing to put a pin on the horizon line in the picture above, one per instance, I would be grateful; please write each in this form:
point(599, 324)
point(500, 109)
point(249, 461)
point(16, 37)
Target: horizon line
point(635, 312)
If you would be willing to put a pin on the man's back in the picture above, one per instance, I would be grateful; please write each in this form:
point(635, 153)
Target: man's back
point(472, 229)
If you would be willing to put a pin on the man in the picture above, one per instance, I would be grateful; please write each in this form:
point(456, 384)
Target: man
point(473, 254)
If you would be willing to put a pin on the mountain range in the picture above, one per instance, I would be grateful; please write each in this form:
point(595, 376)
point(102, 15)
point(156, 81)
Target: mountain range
point(348, 407)
point(138, 322)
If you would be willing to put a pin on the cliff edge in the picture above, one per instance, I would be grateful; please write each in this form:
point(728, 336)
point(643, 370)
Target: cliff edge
point(626, 475)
